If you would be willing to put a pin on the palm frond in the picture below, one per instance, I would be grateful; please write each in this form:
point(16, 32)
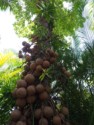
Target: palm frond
point(5, 57)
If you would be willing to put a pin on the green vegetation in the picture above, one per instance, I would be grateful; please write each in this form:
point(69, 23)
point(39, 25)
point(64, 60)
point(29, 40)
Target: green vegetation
point(10, 66)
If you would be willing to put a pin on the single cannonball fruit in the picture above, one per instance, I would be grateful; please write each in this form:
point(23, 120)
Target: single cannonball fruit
point(31, 90)
point(24, 49)
point(21, 92)
point(21, 123)
point(28, 121)
point(20, 102)
point(63, 69)
point(37, 73)
point(27, 113)
point(39, 61)
point(23, 118)
point(43, 96)
point(31, 99)
point(68, 74)
point(48, 111)
point(15, 115)
point(29, 78)
point(27, 45)
point(21, 83)
point(43, 121)
point(13, 123)
point(52, 60)
point(26, 68)
point(20, 55)
point(39, 68)
point(46, 64)
point(28, 58)
point(65, 111)
point(62, 116)
point(24, 43)
point(56, 120)
point(51, 52)
point(37, 113)
point(48, 50)
point(67, 123)
point(40, 88)
point(33, 66)
point(24, 73)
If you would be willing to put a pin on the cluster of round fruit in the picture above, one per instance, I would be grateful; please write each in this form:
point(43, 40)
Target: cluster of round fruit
point(45, 115)
point(26, 48)
point(27, 92)
point(30, 87)
point(41, 61)
point(33, 101)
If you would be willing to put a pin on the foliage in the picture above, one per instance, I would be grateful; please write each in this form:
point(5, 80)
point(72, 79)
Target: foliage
point(79, 92)
point(9, 73)
point(65, 21)
point(90, 13)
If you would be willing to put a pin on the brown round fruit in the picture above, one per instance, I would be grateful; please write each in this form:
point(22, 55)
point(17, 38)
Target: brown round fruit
point(13, 123)
point(51, 52)
point(43, 96)
point(20, 102)
point(21, 83)
point(48, 50)
point(39, 68)
point(24, 49)
point(48, 112)
point(63, 69)
point(28, 58)
point(43, 121)
point(40, 88)
point(24, 73)
point(23, 118)
point(37, 73)
point(52, 60)
point(62, 116)
point(65, 111)
point(21, 123)
point(28, 121)
point(31, 90)
point(29, 78)
point(68, 74)
point(39, 61)
point(26, 68)
point(24, 43)
point(33, 66)
point(56, 120)
point(20, 55)
point(31, 99)
point(15, 115)
point(21, 93)
point(67, 123)
point(37, 113)
point(46, 64)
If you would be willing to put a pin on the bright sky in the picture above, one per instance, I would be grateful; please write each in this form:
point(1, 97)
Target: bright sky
point(8, 37)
